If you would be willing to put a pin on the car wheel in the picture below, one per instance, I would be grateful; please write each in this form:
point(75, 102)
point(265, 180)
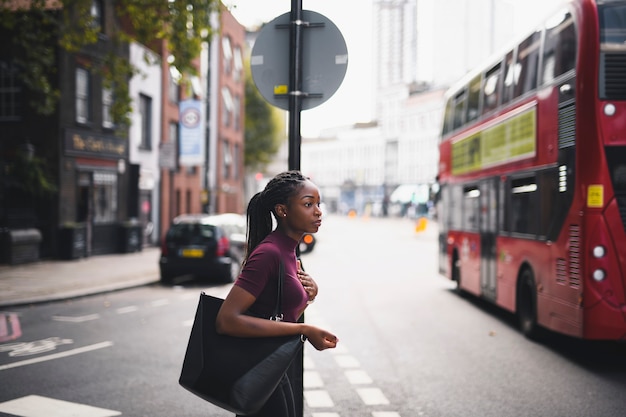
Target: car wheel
point(166, 278)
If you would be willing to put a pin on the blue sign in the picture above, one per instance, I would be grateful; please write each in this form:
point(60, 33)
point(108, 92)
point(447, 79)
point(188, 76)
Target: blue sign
point(192, 133)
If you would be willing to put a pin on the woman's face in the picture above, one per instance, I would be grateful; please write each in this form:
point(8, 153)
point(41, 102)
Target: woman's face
point(303, 213)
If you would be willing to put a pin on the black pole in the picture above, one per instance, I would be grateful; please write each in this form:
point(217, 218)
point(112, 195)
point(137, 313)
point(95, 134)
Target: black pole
point(295, 83)
point(296, 372)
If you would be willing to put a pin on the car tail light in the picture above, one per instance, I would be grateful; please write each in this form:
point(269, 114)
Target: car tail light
point(222, 246)
point(163, 247)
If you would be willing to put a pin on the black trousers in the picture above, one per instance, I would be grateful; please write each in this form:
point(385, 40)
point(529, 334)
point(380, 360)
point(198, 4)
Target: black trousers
point(280, 404)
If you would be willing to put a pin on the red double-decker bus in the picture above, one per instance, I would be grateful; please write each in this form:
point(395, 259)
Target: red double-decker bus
point(532, 175)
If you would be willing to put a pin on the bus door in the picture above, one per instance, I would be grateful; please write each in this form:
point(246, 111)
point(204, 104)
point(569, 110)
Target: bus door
point(488, 231)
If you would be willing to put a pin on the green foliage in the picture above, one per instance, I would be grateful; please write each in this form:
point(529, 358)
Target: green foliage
point(30, 175)
point(184, 25)
point(263, 127)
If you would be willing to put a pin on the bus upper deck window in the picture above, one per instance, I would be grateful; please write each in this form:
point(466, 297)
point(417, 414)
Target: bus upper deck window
point(460, 101)
point(559, 55)
point(527, 61)
point(491, 89)
point(509, 77)
point(473, 101)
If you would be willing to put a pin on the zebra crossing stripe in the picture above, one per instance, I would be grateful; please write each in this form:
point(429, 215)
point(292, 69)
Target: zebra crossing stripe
point(37, 406)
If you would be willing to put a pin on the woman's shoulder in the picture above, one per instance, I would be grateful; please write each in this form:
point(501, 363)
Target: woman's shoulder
point(267, 250)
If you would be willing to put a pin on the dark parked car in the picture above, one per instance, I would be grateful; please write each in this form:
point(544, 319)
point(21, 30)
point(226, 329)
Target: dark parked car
point(197, 245)
point(234, 226)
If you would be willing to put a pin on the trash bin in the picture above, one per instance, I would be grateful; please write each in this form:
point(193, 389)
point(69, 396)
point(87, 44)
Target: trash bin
point(73, 241)
point(130, 237)
point(21, 245)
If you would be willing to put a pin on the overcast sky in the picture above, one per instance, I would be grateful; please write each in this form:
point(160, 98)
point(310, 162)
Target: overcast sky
point(353, 101)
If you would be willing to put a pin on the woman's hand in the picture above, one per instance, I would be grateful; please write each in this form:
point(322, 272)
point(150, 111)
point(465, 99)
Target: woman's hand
point(310, 286)
point(319, 338)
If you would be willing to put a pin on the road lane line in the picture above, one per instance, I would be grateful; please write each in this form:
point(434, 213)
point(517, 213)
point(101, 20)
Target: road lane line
point(76, 319)
point(325, 415)
point(347, 361)
point(57, 355)
point(312, 379)
point(38, 406)
point(372, 396)
point(358, 377)
point(125, 310)
point(160, 303)
point(318, 399)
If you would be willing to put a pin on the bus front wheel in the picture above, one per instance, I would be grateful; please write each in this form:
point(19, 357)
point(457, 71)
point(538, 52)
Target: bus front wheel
point(527, 304)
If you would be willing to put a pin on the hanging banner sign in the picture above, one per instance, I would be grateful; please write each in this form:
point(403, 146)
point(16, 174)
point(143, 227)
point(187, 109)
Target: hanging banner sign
point(192, 133)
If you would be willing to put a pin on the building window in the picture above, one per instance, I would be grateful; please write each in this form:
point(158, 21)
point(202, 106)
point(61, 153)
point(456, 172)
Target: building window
point(107, 107)
point(105, 197)
point(237, 113)
point(227, 106)
point(237, 64)
point(10, 92)
point(227, 160)
point(173, 90)
point(227, 53)
point(145, 112)
point(96, 14)
point(82, 95)
point(236, 157)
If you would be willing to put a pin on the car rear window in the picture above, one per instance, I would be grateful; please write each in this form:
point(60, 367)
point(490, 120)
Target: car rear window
point(190, 231)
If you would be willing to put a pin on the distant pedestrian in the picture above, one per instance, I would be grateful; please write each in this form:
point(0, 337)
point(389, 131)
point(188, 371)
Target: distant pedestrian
point(294, 201)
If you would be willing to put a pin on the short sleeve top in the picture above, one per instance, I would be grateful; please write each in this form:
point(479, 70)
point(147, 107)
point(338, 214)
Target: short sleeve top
point(259, 277)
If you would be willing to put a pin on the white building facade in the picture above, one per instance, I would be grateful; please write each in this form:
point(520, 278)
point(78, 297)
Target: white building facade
point(145, 136)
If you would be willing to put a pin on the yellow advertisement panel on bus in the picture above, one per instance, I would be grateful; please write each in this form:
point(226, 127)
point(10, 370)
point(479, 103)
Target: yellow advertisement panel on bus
point(513, 139)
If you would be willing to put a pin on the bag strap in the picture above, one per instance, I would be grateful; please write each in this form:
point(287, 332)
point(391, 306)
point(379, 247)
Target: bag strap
point(278, 315)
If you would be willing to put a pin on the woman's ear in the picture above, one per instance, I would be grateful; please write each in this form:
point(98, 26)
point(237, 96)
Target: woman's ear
point(281, 210)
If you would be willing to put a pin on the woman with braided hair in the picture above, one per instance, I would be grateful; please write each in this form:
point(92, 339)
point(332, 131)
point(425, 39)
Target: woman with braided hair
point(294, 201)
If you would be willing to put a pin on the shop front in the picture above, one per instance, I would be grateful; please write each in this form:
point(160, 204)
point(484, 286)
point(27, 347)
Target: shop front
point(94, 183)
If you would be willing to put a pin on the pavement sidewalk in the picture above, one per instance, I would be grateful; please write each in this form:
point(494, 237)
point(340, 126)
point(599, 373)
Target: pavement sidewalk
point(57, 280)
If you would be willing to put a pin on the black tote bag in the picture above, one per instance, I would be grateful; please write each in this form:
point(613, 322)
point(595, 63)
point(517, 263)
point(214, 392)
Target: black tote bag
point(234, 373)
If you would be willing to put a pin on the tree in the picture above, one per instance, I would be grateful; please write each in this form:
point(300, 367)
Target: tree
point(72, 25)
point(263, 126)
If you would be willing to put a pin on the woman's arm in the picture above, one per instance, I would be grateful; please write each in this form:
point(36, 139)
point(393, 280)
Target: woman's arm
point(233, 321)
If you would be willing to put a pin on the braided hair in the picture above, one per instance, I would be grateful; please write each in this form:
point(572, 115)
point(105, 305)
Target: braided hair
point(262, 205)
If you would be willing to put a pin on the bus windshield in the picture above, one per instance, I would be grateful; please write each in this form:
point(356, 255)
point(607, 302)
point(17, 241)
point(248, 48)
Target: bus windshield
point(612, 26)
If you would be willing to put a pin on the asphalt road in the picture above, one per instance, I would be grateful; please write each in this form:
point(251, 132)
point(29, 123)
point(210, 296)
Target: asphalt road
point(409, 346)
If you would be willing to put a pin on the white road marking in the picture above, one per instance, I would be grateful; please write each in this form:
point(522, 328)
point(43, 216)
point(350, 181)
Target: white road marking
point(37, 406)
point(188, 323)
point(312, 379)
point(341, 349)
point(347, 361)
point(35, 347)
point(372, 396)
point(129, 309)
point(358, 377)
point(325, 415)
point(56, 355)
point(76, 319)
point(318, 399)
point(308, 363)
point(160, 303)
point(385, 414)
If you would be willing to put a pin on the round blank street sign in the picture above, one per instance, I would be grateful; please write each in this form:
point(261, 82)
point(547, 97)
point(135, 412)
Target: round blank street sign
point(324, 56)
